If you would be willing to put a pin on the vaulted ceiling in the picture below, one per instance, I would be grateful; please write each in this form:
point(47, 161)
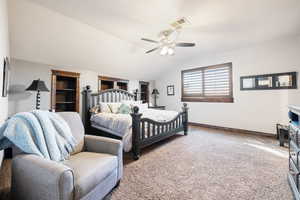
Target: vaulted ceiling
point(105, 35)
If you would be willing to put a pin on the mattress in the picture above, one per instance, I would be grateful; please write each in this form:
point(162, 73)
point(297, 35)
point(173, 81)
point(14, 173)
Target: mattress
point(120, 124)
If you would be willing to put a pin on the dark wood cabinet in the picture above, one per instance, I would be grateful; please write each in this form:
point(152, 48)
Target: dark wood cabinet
point(122, 85)
point(105, 83)
point(65, 91)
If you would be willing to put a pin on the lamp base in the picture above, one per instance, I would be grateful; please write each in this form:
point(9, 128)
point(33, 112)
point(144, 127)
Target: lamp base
point(155, 103)
point(38, 100)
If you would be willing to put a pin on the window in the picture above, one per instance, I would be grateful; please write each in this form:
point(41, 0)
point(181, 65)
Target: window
point(207, 84)
point(287, 80)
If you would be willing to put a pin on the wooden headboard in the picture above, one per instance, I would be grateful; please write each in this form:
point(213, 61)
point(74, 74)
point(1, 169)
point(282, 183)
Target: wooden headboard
point(109, 96)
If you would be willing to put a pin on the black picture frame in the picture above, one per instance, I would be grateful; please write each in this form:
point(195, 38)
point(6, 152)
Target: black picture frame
point(5, 77)
point(270, 81)
point(170, 90)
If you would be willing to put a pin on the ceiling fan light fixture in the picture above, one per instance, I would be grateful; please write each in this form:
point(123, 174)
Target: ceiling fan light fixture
point(167, 39)
point(171, 51)
point(164, 51)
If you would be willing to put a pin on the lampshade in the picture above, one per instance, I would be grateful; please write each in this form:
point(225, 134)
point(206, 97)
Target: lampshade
point(38, 85)
point(155, 91)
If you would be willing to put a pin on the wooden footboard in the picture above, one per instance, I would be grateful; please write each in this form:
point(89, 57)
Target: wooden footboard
point(146, 131)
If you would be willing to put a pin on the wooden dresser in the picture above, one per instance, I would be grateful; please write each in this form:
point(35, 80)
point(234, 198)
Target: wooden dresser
point(294, 150)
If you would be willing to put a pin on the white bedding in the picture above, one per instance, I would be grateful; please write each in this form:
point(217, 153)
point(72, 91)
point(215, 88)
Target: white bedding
point(121, 123)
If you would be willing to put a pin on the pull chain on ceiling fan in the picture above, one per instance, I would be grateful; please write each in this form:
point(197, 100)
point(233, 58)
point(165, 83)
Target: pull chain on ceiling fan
point(167, 39)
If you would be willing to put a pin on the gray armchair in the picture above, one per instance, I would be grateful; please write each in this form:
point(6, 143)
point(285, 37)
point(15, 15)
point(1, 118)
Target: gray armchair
point(92, 171)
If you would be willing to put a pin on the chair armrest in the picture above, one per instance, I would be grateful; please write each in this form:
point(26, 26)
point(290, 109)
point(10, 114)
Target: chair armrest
point(34, 177)
point(99, 144)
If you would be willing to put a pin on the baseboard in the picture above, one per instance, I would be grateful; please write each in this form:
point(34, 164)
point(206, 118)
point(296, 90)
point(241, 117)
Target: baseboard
point(235, 130)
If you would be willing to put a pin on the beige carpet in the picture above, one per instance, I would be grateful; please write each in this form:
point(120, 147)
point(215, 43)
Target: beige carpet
point(208, 165)
point(205, 165)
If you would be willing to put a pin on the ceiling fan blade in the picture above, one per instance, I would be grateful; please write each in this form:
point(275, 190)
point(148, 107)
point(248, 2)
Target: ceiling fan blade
point(152, 50)
point(185, 44)
point(149, 40)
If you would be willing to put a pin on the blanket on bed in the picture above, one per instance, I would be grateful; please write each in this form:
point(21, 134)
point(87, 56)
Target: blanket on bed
point(122, 123)
point(42, 133)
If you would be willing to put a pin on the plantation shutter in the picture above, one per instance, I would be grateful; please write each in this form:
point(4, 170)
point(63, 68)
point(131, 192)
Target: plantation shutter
point(193, 83)
point(211, 84)
point(217, 81)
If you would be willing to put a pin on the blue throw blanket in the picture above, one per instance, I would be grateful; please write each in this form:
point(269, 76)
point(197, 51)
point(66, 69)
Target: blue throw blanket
point(42, 133)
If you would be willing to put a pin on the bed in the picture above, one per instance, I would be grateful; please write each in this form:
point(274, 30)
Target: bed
point(141, 128)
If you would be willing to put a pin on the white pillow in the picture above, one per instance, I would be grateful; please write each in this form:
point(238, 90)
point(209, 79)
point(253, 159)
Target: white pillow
point(104, 108)
point(139, 102)
point(114, 107)
point(95, 109)
point(143, 107)
point(127, 102)
point(132, 103)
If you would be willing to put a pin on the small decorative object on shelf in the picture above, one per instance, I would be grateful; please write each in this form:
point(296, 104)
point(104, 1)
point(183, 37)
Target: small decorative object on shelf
point(170, 90)
point(294, 150)
point(158, 107)
point(155, 94)
point(39, 86)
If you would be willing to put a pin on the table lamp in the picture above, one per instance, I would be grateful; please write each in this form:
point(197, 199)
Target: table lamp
point(39, 86)
point(155, 94)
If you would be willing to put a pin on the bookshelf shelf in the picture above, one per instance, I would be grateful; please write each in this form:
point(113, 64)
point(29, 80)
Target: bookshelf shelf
point(65, 91)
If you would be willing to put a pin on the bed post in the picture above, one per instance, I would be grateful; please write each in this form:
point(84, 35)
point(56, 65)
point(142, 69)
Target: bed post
point(185, 118)
point(135, 94)
point(136, 119)
point(87, 98)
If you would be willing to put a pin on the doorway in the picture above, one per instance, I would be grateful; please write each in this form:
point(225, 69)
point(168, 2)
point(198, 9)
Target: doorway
point(144, 91)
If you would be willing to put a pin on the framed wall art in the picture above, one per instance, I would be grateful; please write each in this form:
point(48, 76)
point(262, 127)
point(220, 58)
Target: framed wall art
point(170, 90)
point(5, 77)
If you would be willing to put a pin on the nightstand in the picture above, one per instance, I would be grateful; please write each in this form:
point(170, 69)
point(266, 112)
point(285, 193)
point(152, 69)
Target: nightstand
point(158, 107)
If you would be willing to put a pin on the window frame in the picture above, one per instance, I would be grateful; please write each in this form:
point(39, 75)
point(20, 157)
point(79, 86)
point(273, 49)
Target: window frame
point(273, 87)
point(198, 98)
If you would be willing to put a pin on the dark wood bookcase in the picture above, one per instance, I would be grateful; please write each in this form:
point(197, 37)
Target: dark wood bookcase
point(65, 91)
point(106, 82)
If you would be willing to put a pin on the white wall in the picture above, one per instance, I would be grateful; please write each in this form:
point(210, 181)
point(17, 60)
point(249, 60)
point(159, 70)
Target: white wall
point(4, 51)
point(251, 110)
point(42, 35)
point(22, 74)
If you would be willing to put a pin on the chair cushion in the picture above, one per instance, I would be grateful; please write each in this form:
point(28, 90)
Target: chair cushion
point(90, 169)
point(74, 121)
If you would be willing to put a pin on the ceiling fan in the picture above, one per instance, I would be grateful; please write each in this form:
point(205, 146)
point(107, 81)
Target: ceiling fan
point(168, 39)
